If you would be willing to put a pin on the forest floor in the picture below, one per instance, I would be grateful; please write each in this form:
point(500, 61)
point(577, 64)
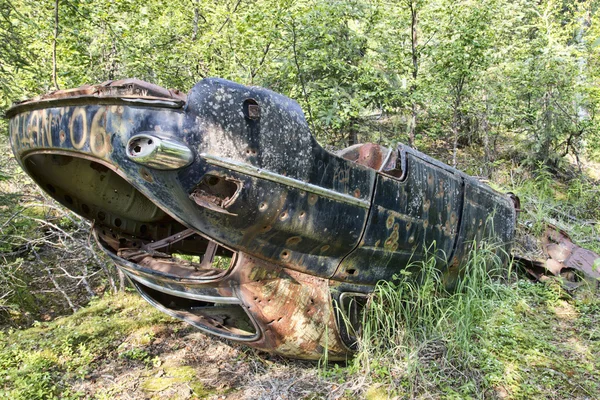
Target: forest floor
point(542, 343)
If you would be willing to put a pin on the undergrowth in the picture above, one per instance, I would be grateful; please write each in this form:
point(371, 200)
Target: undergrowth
point(494, 336)
point(41, 362)
point(414, 328)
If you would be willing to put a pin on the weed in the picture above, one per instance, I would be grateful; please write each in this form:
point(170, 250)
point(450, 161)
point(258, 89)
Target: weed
point(414, 329)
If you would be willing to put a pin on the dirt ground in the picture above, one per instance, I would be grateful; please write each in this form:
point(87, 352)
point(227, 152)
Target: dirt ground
point(176, 361)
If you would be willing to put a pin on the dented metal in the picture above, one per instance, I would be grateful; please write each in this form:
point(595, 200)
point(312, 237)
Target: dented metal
point(225, 212)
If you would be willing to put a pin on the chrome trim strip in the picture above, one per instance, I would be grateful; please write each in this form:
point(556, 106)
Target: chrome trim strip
point(185, 295)
point(285, 180)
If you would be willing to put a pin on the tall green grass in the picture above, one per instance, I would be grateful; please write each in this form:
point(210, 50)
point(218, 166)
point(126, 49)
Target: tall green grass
point(414, 327)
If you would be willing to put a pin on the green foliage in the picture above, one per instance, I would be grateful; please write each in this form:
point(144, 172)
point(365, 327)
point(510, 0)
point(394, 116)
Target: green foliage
point(490, 336)
point(495, 72)
point(37, 363)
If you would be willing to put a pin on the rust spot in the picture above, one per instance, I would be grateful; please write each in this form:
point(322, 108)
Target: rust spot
point(62, 136)
point(263, 206)
point(293, 240)
point(357, 193)
point(426, 205)
point(312, 199)
point(324, 248)
point(301, 215)
point(389, 222)
point(408, 225)
point(453, 218)
point(370, 155)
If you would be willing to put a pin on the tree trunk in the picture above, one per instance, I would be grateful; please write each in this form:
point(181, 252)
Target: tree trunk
point(54, 80)
point(415, 73)
point(195, 21)
point(486, 138)
point(456, 117)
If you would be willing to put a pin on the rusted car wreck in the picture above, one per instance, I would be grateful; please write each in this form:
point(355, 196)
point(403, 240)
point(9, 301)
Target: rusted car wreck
point(278, 235)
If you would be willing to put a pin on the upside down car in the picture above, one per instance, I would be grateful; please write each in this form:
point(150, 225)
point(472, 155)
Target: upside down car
point(281, 239)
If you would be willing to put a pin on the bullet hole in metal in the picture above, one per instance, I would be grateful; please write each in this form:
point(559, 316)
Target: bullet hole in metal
point(285, 254)
point(283, 216)
point(212, 180)
point(118, 222)
point(266, 228)
point(351, 271)
point(302, 214)
point(146, 175)
point(262, 206)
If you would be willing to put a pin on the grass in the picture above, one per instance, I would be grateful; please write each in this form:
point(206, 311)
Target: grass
point(498, 335)
point(491, 338)
point(40, 362)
